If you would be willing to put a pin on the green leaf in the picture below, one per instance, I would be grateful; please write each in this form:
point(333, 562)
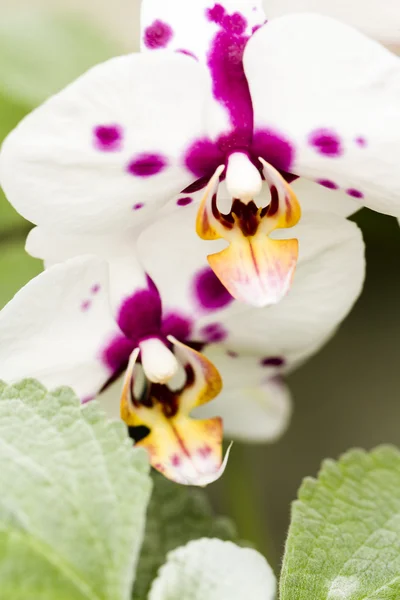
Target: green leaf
point(214, 570)
point(176, 515)
point(73, 496)
point(40, 53)
point(344, 539)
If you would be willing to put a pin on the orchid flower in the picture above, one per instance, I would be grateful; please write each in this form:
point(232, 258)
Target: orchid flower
point(216, 99)
point(90, 319)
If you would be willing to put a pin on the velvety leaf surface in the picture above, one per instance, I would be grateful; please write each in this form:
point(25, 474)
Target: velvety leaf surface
point(73, 496)
point(344, 539)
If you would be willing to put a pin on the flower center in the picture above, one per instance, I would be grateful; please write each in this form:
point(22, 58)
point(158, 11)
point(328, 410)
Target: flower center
point(254, 268)
point(158, 362)
point(243, 179)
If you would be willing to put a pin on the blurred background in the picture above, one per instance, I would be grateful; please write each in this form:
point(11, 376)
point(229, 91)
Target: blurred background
point(346, 396)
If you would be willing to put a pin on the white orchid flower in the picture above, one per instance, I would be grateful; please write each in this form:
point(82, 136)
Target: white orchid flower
point(90, 319)
point(216, 95)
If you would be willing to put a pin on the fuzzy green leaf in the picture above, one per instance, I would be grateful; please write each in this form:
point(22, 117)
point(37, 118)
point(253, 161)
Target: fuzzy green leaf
point(73, 496)
point(176, 515)
point(344, 540)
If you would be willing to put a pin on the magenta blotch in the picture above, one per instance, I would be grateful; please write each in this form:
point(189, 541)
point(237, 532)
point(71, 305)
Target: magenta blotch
point(274, 148)
point(232, 354)
point(326, 142)
point(140, 315)
point(187, 53)
point(95, 289)
point(175, 460)
point(147, 165)
point(108, 138)
point(235, 23)
point(230, 86)
point(209, 292)
point(158, 35)
point(203, 158)
point(331, 185)
point(138, 206)
point(355, 193)
point(273, 361)
point(116, 354)
point(216, 14)
point(176, 325)
point(185, 201)
point(214, 333)
point(86, 304)
point(361, 141)
point(205, 451)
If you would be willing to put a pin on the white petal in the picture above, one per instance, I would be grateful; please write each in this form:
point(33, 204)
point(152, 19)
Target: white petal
point(56, 327)
point(327, 282)
point(105, 152)
point(125, 272)
point(214, 570)
point(315, 197)
point(380, 20)
point(328, 98)
point(254, 408)
point(190, 27)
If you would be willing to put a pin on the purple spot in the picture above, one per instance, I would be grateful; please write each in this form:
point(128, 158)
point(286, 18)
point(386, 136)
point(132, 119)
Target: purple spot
point(203, 158)
point(274, 148)
point(95, 288)
point(255, 29)
point(108, 138)
point(184, 201)
point(205, 451)
point(326, 142)
point(140, 315)
point(232, 354)
point(235, 23)
point(117, 353)
point(147, 165)
point(86, 304)
point(175, 460)
point(216, 14)
point(331, 185)
point(355, 193)
point(177, 325)
point(273, 361)
point(138, 206)
point(187, 53)
point(157, 35)
point(209, 291)
point(214, 333)
point(361, 141)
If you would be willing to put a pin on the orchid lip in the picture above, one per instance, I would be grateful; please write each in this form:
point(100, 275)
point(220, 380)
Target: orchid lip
point(185, 450)
point(254, 268)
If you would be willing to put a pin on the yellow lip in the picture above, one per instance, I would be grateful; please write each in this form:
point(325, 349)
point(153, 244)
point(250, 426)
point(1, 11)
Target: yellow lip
point(254, 268)
point(185, 450)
